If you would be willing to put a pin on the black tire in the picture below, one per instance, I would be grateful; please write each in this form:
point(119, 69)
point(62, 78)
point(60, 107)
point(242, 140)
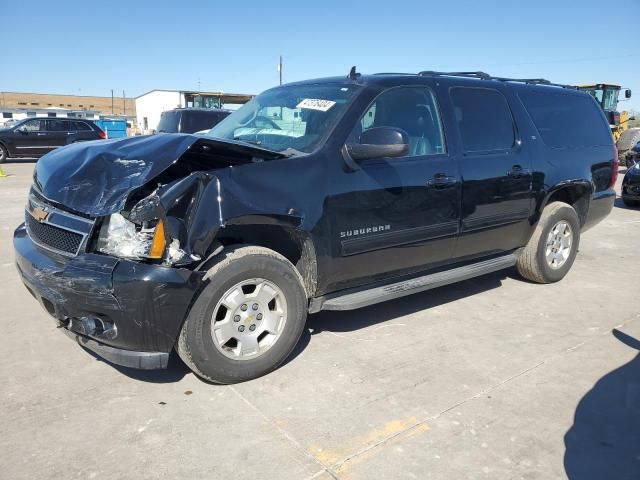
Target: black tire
point(4, 154)
point(532, 263)
point(631, 203)
point(195, 344)
point(628, 139)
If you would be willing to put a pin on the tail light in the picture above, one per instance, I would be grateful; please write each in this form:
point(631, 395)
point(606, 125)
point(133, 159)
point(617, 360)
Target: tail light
point(614, 174)
point(103, 135)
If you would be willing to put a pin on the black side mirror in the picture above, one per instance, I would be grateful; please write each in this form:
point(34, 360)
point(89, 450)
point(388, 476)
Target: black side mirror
point(380, 142)
point(627, 93)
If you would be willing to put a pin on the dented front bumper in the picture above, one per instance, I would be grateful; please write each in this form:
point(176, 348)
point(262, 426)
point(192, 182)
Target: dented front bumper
point(127, 312)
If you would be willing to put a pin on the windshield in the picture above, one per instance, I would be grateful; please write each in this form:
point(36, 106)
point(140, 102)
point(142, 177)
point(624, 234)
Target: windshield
point(610, 99)
point(607, 98)
point(294, 117)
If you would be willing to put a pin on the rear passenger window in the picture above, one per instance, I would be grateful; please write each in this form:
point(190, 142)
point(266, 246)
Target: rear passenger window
point(57, 125)
point(412, 109)
point(484, 119)
point(566, 119)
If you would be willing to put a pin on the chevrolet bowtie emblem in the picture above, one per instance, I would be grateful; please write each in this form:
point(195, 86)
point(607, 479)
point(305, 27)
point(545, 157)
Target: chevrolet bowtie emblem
point(39, 214)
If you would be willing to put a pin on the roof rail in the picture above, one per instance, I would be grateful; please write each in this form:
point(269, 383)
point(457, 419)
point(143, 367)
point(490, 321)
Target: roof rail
point(486, 76)
point(393, 73)
point(482, 75)
point(543, 81)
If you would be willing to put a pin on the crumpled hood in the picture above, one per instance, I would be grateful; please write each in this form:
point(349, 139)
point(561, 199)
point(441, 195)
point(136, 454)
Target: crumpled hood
point(95, 178)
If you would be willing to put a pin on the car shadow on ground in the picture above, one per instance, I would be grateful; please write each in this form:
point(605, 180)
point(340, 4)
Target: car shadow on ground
point(619, 203)
point(347, 321)
point(175, 371)
point(604, 440)
point(9, 161)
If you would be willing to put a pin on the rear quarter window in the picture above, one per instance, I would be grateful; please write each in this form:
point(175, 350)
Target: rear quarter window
point(566, 120)
point(169, 122)
point(79, 126)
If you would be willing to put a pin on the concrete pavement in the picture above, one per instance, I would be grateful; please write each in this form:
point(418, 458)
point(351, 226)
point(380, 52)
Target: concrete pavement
point(492, 378)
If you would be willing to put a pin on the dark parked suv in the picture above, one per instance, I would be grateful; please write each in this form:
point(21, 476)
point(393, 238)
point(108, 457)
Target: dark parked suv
point(190, 120)
point(356, 191)
point(34, 137)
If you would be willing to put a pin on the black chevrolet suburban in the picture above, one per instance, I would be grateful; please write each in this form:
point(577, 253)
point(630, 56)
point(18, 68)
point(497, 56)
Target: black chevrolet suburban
point(357, 190)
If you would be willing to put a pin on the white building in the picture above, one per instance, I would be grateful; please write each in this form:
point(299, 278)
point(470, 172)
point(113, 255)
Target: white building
point(17, 114)
point(150, 105)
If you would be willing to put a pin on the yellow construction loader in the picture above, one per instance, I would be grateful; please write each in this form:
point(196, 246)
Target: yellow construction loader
point(607, 95)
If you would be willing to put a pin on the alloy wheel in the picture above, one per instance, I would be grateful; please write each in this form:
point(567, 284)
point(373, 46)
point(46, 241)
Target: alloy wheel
point(559, 244)
point(248, 319)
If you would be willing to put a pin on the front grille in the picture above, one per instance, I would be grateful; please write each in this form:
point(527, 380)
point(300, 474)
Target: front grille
point(53, 237)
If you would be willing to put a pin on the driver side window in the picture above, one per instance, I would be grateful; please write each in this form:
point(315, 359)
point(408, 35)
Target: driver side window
point(412, 109)
point(32, 126)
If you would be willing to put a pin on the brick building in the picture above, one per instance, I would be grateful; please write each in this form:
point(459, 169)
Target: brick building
point(101, 105)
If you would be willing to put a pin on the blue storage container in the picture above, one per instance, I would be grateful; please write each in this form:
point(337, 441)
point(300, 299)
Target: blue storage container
point(113, 128)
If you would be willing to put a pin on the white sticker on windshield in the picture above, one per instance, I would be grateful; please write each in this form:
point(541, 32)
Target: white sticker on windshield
point(316, 104)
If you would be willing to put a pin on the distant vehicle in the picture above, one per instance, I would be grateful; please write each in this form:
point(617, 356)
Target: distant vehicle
point(190, 120)
point(631, 184)
point(9, 123)
point(626, 147)
point(634, 155)
point(33, 137)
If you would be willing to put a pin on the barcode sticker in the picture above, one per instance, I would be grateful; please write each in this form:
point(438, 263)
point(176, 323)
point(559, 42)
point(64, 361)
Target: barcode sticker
point(316, 104)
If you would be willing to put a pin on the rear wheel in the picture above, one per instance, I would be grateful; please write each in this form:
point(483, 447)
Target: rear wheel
point(247, 319)
point(552, 249)
point(4, 154)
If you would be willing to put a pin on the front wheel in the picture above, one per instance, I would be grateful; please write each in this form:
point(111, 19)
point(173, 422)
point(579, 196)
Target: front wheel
point(247, 319)
point(551, 250)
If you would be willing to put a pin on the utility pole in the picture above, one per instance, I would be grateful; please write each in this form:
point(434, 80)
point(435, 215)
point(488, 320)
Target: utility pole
point(124, 104)
point(112, 101)
point(280, 69)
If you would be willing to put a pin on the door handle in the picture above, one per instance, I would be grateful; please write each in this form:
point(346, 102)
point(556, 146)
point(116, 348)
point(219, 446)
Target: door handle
point(518, 172)
point(40, 134)
point(442, 180)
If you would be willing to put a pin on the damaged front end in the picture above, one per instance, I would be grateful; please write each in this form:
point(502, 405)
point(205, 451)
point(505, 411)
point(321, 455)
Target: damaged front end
point(153, 198)
point(160, 226)
point(114, 233)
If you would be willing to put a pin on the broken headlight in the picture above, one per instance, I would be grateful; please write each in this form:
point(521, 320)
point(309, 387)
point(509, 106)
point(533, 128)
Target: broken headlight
point(122, 238)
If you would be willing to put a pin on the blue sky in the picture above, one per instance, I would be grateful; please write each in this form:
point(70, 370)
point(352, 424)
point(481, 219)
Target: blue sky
point(88, 47)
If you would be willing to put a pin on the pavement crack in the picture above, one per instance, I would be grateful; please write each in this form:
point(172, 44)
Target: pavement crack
point(325, 468)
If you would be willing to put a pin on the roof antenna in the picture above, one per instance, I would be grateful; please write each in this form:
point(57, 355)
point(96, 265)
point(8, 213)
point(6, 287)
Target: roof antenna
point(353, 75)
